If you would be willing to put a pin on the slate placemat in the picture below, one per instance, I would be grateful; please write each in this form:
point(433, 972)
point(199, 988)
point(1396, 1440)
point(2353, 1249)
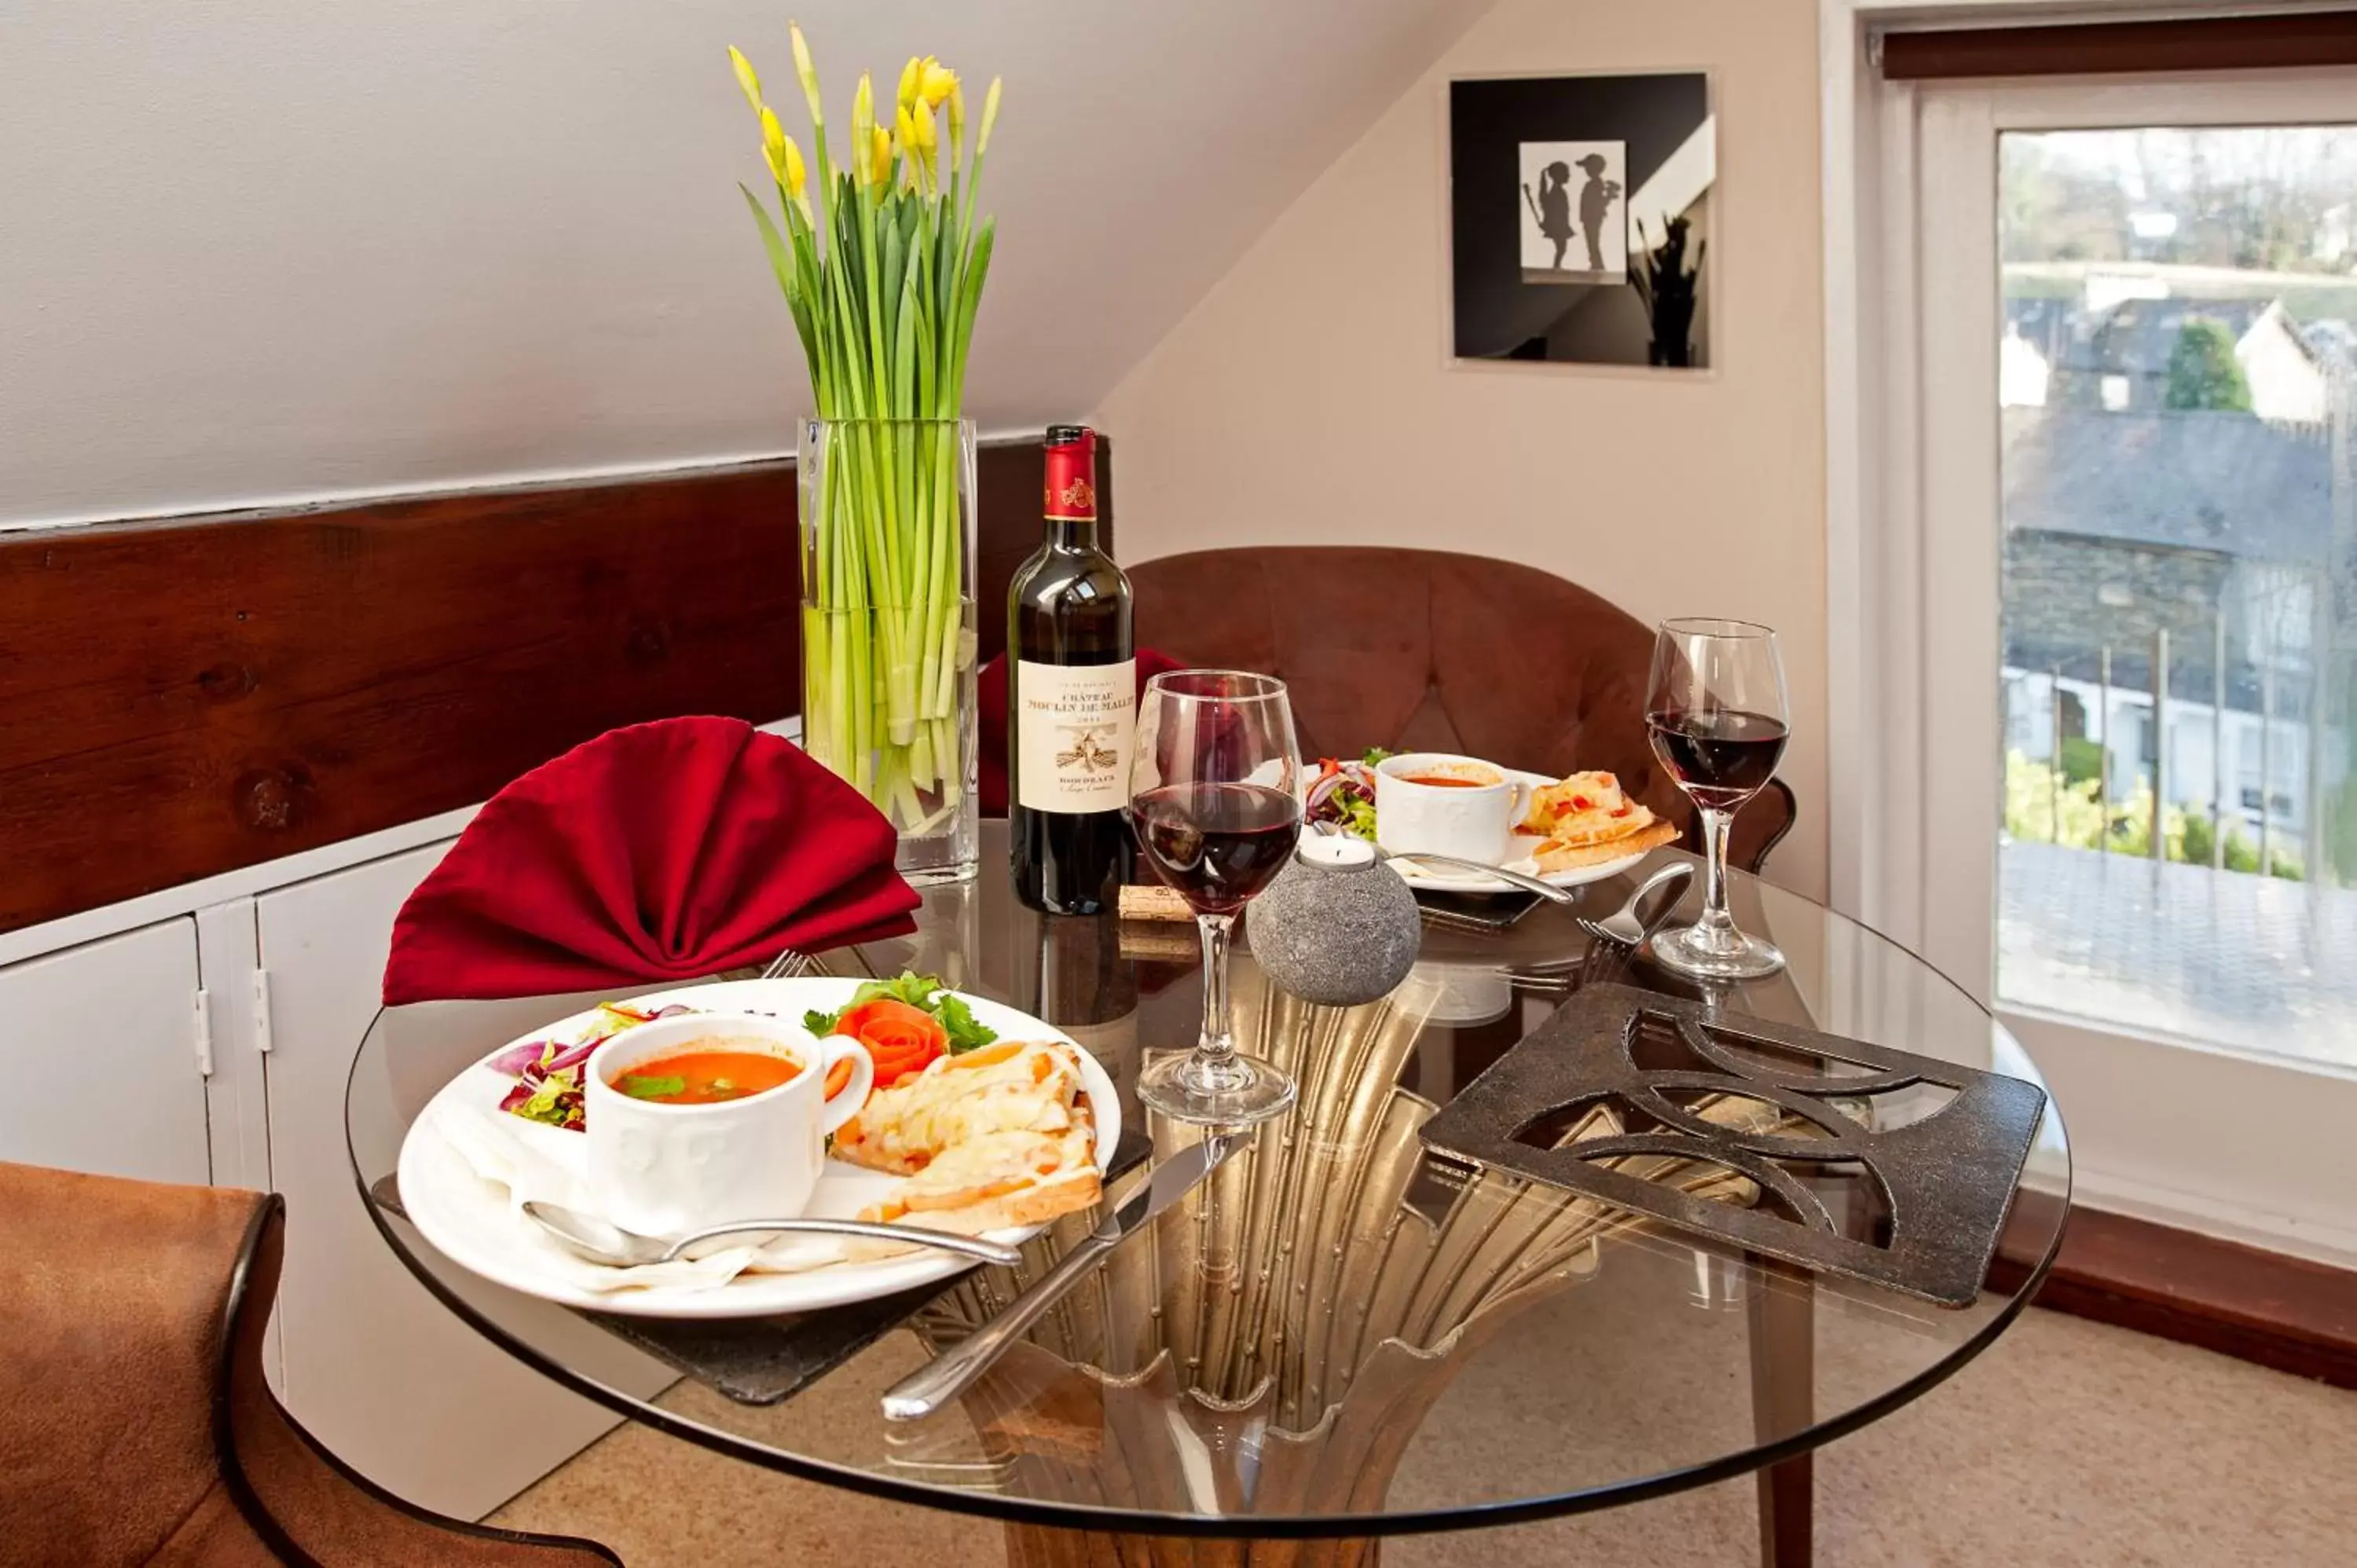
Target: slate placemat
point(767, 1360)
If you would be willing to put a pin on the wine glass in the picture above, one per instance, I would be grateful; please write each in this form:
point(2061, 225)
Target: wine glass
point(1716, 714)
point(1215, 802)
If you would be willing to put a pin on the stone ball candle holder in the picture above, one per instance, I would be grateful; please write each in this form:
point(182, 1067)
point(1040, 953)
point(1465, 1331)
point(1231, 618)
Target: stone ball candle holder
point(1336, 928)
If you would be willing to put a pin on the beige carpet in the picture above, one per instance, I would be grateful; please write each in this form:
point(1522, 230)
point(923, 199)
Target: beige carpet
point(2067, 1443)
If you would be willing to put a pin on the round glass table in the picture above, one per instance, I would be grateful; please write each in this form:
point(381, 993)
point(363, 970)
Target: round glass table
point(1342, 1335)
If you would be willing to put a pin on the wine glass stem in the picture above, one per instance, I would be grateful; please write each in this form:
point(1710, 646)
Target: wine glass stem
point(1217, 1048)
point(1715, 917)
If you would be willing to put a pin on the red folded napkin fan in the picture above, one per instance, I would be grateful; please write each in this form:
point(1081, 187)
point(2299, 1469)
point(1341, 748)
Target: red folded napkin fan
point(990, 704)
point(664, 851)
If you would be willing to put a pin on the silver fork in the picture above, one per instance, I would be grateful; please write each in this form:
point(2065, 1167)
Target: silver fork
point(791, 964)
point(1614, 940)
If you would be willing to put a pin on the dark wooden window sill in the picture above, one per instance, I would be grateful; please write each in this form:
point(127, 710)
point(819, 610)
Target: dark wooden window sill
point(2282, 1312)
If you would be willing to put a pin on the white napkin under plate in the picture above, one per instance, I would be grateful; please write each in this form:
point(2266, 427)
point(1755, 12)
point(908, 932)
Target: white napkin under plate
point(499, 1149)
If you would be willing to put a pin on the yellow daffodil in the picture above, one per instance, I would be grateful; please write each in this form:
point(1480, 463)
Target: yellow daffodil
point(924, 136)
point(957, 124)
point(935, 82)
point(863, 121)
point(806, 70)
point(744, 77)
point(875, 167)
point(785, 159)
point(909, 75)
point(989, 118)
point(792, 178)
point(905, 140)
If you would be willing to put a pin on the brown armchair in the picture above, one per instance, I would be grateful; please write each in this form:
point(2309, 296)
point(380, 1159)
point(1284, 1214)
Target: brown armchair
point(134, 1423)
point(1424, 650)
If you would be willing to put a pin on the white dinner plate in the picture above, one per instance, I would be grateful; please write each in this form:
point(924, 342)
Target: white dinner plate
point(472, 1222)
point(1449, 879)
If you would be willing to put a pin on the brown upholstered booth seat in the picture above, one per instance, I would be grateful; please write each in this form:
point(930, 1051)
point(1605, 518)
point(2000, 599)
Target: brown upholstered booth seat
point(134, 1423)
point(1424, 650)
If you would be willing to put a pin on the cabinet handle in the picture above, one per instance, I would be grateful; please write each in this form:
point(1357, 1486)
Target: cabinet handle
point(204, 1033)
point(262, 1011)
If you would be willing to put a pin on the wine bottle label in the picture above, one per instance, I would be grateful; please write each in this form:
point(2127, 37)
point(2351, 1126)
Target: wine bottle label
point(1073, 735)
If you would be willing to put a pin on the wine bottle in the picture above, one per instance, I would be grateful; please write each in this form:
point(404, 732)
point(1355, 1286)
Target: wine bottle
point(1071, 699)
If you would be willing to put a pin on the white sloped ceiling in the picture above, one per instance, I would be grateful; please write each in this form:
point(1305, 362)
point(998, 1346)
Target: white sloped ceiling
point(253, 251)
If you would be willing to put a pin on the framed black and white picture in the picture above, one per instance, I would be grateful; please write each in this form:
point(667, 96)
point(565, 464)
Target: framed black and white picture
point(1579, 217)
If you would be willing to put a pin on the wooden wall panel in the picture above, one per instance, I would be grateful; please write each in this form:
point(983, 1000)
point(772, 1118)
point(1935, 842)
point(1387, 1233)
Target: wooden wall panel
point(187, 696)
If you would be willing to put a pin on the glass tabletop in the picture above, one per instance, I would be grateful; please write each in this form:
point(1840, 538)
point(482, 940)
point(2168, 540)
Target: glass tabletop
point(1314, 1342)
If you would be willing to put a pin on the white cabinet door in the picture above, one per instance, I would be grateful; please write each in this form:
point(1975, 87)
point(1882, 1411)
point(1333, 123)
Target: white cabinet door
point(380, 1370)
point(98, 1044)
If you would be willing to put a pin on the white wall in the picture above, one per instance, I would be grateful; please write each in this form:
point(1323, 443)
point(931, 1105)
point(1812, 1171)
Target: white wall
point(260, 251)
point(1307, 398)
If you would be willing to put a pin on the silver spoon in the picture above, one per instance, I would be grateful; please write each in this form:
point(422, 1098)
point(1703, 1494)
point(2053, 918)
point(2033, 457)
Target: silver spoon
point(1546, 890)
point(602, 1242)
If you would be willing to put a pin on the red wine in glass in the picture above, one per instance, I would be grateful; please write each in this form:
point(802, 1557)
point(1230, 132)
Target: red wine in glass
point(1219, 845)
point(1214, 799)
point(1715, 712)
point(1721, 759)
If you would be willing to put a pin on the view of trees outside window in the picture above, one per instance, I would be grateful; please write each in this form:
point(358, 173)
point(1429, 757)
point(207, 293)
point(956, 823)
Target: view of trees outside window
point(2179, 341)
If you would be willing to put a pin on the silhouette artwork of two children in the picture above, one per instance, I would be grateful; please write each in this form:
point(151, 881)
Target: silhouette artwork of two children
point(1551, 207)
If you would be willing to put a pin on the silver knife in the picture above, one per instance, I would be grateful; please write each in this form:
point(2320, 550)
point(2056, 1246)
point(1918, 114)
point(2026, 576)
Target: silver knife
point(948, 1375)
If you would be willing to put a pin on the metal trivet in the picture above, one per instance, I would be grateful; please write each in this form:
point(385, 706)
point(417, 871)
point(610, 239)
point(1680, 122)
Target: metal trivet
point(1935, 1190)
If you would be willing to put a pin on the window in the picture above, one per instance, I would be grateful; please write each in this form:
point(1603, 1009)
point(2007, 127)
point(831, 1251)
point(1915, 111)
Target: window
point(2179, 560)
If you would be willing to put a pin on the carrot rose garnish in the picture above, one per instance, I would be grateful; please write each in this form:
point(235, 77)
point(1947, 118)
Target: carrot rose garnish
point(899, 1039)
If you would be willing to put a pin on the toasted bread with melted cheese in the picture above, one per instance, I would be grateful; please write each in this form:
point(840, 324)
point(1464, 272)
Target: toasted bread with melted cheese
point(1554, 856)
point(1585, 808)
point(992, 1138)
point(1014, 1085)
point(1588, 820)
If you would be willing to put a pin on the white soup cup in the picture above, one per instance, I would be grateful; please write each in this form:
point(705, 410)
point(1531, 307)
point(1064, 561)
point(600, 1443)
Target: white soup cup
point(664, 1170)
point(1473, 818)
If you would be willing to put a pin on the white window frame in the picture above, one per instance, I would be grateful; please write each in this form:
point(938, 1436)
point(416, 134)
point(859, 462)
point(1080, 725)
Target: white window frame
point(1912, 579)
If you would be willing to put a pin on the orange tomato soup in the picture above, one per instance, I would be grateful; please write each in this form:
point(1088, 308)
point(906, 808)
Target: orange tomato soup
point(702, 1074)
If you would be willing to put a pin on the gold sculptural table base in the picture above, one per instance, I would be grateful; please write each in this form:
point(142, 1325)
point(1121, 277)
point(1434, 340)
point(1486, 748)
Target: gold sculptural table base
point(1281, 1337)
point(1782, 1321)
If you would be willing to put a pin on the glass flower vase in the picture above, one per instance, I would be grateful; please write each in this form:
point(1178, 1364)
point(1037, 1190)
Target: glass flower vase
point(889, 631)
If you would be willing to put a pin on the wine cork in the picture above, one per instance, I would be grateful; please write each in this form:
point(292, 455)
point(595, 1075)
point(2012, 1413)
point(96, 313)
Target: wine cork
point(1158, 942)
point(1154, 903)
